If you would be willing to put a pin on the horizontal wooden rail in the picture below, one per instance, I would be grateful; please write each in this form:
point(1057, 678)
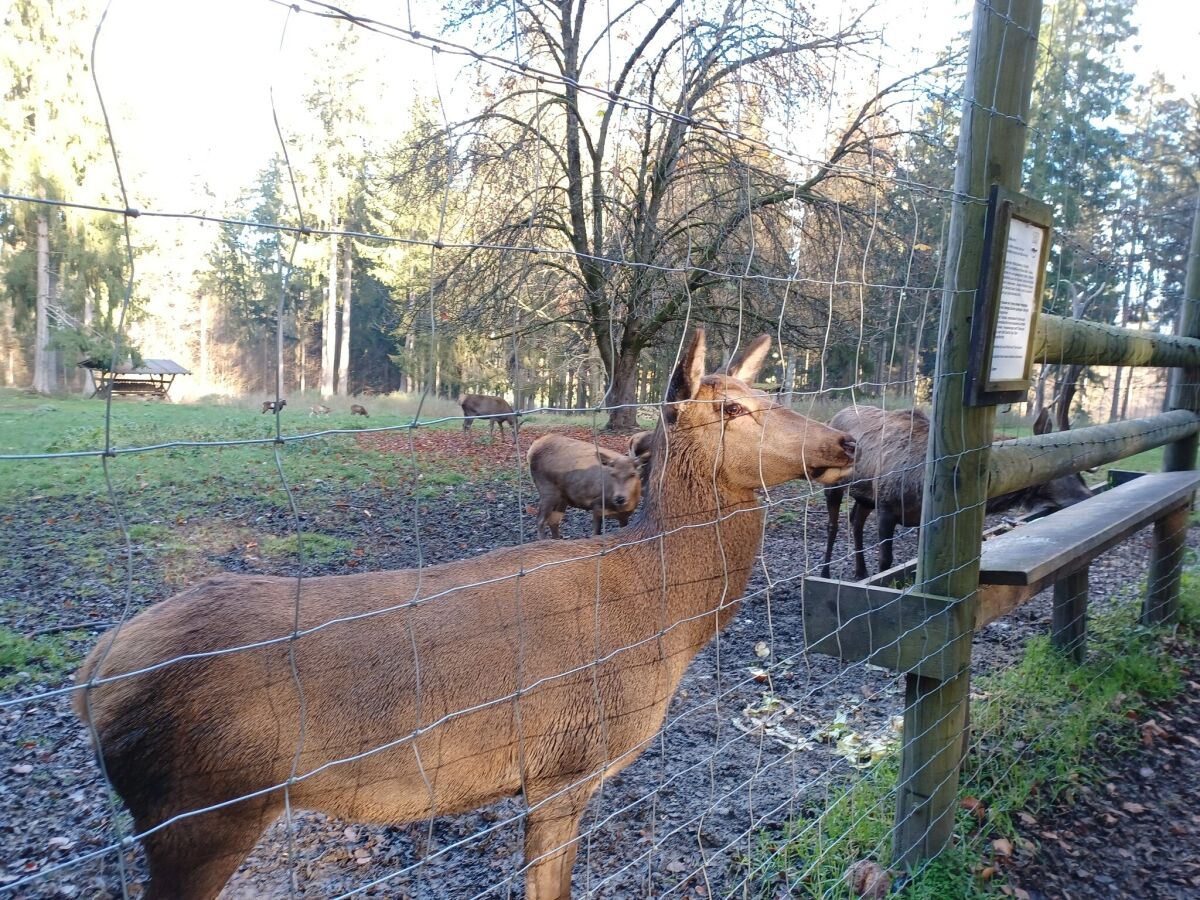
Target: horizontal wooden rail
point(1035, 460)
point(1076, 341)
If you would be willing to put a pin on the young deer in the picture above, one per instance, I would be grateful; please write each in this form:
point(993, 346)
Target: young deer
point(567, 472)
point(464, 683)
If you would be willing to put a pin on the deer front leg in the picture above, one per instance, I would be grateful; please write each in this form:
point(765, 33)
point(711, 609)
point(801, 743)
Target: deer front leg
point(833, 509)
point(597, 520)
point(551, 841)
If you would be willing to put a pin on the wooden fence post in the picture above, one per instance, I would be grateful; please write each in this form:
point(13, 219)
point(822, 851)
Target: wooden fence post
point(1000, 69)
point(1170, 533)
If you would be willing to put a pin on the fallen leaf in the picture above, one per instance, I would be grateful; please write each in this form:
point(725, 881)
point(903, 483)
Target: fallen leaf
point(1130, 807)
point(1002, 846)
point(986, 873)
point(867, 878)
point(21, 769)
point(762, 650)
point(974, 807)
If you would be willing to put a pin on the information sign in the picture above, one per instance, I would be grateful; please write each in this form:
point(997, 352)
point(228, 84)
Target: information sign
point(1016, 242)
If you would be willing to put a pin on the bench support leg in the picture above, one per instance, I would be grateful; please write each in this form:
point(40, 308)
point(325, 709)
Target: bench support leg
point(1068, 633)
point(1166, 566)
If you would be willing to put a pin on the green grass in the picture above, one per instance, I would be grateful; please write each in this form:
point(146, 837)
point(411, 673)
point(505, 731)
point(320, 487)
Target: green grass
point(30, 424)
point(1034, 729)
point(318, 548)
point(37, 659)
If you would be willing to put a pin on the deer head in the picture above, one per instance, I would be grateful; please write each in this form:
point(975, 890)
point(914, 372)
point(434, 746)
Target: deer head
point(754, 441)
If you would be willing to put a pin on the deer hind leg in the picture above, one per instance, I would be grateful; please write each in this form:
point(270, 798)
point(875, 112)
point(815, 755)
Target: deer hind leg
point(551, 842)
point(195, 857)
point(887, 532)
point(549, 518)
point(833, 509)
point(858, 520)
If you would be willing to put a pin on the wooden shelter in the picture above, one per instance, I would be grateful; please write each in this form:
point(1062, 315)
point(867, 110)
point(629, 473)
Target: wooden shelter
point(154, 378)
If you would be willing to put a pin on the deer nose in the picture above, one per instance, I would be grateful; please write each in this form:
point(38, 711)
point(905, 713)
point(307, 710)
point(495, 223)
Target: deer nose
point(620, 499)
point(849, 444)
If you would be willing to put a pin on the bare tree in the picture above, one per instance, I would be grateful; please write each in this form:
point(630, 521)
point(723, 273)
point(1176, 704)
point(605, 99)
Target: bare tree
point(650, 199)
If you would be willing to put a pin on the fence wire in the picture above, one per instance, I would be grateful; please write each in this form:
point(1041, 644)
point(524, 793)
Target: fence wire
point(464, 710)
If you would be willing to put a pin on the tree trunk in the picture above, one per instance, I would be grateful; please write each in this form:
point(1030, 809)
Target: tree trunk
point(89, 383)
point(1039, 392)
point(329, 334)
point(43, 364)
point(1116, 395)
point(1062, 414)
point(205, 371)
point(8, 345)
point(301, 351)
point(343, 379)
point(621, 398)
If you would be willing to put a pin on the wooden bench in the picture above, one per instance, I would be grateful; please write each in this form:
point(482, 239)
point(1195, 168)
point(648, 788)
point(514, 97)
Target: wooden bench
point(908, 631)
point(1058, 549)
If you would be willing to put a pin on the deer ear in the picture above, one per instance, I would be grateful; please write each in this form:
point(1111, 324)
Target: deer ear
point(685, 380)
point(747, 364)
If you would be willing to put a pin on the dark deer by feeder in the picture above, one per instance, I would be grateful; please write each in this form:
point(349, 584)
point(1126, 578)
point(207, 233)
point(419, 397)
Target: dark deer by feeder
point(889, 478)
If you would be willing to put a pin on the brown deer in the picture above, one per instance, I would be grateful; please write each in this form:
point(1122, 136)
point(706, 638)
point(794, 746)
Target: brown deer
point(319, 410)
point(356, 410)
point(496, 410)
point(272, 406)
point(532, 671)
point(567, 472)
point(889, 477)
point(641, 448)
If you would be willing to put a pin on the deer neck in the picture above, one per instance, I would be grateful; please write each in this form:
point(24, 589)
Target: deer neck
point(711, 535)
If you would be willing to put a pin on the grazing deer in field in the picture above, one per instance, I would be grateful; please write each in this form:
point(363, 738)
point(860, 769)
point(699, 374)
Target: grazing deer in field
point(496, 410)
point(567, 472)
point(272, 406)
point(889, 477)
point(356, 410)
point(319, 410)
point(532, 671)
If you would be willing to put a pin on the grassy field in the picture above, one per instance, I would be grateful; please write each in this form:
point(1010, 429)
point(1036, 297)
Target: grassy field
point(32, 424)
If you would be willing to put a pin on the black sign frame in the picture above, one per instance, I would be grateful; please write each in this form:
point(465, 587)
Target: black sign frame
point(1003, 207)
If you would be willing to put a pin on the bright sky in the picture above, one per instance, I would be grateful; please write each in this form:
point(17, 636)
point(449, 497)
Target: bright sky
point(188, 85)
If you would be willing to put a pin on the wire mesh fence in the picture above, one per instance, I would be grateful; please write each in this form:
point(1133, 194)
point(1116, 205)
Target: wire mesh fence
point(331, 657)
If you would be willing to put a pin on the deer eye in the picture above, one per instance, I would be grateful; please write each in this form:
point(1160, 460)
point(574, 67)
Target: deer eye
point(733, 410)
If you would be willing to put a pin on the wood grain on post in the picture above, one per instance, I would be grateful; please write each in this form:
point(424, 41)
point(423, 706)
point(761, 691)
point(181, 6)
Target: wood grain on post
point(1084, 343)
point(1000, 68)
point(1170, 534)
point(1036, 460)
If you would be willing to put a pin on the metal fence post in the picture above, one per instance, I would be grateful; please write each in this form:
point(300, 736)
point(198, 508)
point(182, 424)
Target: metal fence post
point(1000, 69)
point(1170, 532)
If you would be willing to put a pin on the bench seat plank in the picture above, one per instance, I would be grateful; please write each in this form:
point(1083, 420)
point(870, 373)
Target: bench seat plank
point(1056, 545)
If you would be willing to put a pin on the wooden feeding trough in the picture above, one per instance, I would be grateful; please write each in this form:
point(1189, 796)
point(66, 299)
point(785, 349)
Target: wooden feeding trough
point(153, 378)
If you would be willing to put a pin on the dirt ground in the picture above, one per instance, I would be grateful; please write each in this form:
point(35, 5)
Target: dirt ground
point(736, 754)
point(1137, 832)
